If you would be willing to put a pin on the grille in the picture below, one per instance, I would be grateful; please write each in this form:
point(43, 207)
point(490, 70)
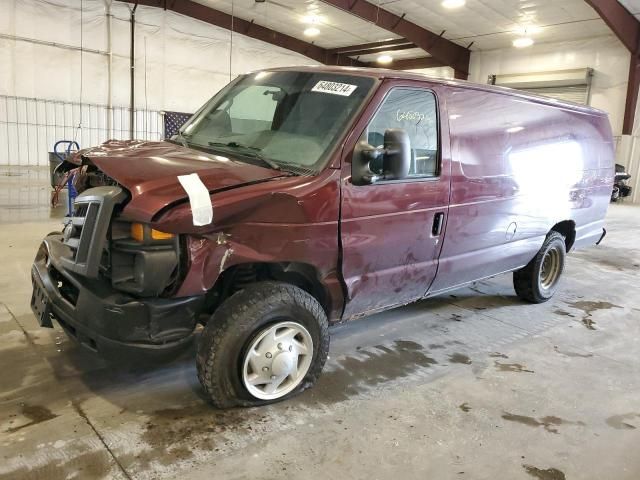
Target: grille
point(85, 233)
point(82, 225)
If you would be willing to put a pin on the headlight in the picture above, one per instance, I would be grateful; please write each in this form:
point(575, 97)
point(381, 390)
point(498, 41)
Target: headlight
point(141, 260)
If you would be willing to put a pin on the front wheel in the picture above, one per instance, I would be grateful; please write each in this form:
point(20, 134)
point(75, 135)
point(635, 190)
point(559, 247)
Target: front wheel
point(265, 343)
point(538, 280)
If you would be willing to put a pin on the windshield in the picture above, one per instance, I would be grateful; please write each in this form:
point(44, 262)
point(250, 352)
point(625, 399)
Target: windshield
point(283, 120)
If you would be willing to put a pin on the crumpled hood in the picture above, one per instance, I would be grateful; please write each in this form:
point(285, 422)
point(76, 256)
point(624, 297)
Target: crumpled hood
point(150, 170)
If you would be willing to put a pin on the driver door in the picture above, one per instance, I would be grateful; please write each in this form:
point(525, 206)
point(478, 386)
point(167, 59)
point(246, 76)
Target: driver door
point(392, 230)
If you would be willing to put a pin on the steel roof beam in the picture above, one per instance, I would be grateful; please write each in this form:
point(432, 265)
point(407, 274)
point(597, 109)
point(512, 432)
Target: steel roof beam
point(443, 50)
point(250, 29)
point(396, 44)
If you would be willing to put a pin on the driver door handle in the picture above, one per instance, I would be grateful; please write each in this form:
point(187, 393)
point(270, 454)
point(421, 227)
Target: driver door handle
point(438, 222)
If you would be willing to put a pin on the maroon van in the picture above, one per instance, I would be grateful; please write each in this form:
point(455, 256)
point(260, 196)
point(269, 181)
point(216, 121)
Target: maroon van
point(298, 198)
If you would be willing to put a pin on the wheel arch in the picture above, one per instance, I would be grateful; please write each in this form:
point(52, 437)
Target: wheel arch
point(567, 228)
point(303, 275)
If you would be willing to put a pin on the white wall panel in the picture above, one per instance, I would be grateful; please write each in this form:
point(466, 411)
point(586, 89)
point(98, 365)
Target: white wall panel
point(606, 55)
point(187, 61)
point(180, 63)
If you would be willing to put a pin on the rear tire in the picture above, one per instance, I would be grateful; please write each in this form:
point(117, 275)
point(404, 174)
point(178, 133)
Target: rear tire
point(538, 281)
point(267, 333)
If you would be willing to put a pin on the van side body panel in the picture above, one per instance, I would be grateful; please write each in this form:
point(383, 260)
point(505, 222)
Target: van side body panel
point(518, 168)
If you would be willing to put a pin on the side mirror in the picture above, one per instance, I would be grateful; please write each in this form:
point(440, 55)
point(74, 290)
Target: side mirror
point(396, 158)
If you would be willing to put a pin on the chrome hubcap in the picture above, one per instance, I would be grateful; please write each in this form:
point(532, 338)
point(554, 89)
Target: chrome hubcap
point(277, 360)
point(550, 271)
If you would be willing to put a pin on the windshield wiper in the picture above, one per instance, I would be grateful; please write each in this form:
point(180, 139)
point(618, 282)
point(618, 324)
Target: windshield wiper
point(183, 139)
point(253, 152)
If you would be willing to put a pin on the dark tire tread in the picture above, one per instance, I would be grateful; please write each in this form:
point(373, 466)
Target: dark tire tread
point(525, 280)
point(234, 318)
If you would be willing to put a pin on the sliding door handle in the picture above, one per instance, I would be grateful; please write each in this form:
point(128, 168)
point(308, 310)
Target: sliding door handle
point(438, 222)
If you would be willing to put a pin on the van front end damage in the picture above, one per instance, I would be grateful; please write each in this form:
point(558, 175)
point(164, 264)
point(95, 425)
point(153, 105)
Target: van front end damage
point(110, 291)
point(102, 318)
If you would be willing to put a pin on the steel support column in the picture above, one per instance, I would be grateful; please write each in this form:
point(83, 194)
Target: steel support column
point(627, 28)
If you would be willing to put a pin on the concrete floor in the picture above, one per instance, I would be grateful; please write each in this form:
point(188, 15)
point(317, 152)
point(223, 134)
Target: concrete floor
point(474, 385)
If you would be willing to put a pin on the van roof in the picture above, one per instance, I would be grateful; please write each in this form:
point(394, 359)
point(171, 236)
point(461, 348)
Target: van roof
point(399, 74)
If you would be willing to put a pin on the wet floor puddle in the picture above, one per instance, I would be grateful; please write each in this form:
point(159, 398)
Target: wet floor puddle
point(588, 308)
point(174, 434)
point(544, 474)
point(549, 423)
point(369, 368)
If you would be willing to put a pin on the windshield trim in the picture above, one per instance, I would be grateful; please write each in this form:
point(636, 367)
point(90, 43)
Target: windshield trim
point(236, 155)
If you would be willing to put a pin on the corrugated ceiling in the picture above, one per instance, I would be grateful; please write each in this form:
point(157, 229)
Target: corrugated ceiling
point(489, 24)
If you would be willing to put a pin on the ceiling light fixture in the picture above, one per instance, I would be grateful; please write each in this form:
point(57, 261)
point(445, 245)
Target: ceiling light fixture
point(312, 32)
point(527, 29)
point(312, 19)
point(523, 42)
point(453, 3)
point(385, 59)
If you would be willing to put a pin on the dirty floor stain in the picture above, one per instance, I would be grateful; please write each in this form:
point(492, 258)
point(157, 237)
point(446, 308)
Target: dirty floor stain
point(35, 414)
point(465, 407)
point(621, 422)
point(550, 423)
point(174, 434)
point(97, 464)
point(544, 474)
point(512, 367)
point(498, 355)
point(588, 307)
point(460, 358)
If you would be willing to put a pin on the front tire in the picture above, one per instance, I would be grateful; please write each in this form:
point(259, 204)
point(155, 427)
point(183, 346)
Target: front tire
point(264, 344)
point(538, 281)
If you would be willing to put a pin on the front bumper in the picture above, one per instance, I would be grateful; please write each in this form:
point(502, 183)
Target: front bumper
point(105, 320)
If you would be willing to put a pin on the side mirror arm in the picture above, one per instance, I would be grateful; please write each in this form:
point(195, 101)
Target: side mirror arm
point(363, 155)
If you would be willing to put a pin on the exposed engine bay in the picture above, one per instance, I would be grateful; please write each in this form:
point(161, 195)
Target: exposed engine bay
point(82, 177)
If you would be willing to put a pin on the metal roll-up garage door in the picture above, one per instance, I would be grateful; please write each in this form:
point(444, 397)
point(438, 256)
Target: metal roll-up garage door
point(570, 85)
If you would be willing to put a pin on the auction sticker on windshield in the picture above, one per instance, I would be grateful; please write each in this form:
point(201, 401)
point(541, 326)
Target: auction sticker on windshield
point(334, 88)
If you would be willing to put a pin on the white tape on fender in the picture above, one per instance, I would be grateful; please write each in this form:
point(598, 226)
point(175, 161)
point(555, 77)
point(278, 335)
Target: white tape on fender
point(201, 207)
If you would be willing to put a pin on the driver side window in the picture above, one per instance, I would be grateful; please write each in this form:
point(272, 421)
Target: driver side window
point(415, 112)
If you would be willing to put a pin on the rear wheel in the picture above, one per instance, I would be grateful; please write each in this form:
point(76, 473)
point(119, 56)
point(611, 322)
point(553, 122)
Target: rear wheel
point(265, 343)
point(538, 281)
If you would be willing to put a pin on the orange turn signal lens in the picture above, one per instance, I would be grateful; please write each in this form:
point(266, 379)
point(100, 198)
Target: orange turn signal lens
point(158, 235)
point(137, 233)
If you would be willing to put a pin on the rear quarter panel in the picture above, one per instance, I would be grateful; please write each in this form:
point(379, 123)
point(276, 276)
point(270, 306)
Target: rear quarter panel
point(519, 167)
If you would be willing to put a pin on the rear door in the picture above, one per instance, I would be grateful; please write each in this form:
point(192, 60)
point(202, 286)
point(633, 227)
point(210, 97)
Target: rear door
point(392, 231)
